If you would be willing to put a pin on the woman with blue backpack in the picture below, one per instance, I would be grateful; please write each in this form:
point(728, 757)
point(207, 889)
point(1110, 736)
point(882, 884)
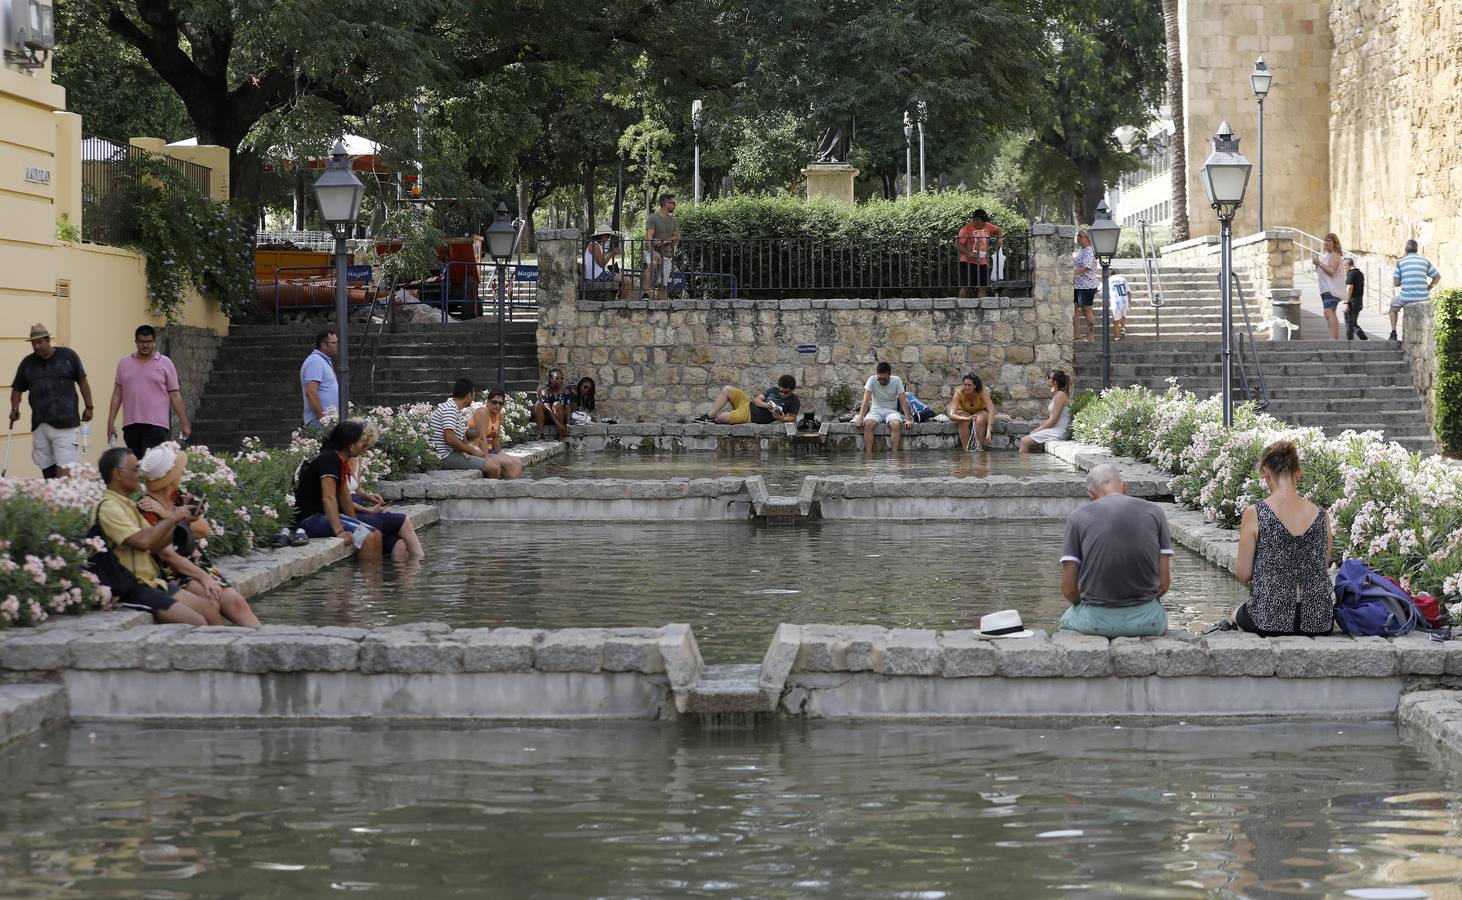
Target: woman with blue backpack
point(1284, 555)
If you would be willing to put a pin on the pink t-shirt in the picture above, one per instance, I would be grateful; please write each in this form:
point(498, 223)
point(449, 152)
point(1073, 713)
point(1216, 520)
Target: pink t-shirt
point(145, 387)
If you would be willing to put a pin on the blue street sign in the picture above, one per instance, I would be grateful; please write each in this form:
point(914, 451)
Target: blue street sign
point(358, 274)
point(806, 348)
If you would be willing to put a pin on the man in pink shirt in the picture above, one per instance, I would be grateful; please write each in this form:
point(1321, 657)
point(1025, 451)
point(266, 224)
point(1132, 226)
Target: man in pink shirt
point(146, 386)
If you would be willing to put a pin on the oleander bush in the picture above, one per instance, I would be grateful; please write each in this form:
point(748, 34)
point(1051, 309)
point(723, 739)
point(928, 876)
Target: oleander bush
point(1399, 511)
point(43, 549)
point(1447, 327)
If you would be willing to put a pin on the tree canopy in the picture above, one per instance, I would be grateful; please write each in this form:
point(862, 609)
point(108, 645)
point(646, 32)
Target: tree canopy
point(577, 105)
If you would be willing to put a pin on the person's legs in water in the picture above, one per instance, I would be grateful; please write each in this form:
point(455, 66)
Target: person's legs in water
point(200, 604)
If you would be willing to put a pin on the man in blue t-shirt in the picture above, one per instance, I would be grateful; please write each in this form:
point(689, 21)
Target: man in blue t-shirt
point(1415, 276)
point(318, 385)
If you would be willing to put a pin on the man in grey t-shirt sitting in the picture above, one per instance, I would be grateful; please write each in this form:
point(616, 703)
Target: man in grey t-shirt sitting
point(1116, 561)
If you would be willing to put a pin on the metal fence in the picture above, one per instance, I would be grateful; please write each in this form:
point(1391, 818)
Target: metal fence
point(105, 166)
point(775, 268)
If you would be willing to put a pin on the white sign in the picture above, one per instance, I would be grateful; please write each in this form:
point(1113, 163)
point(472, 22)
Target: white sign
point(37, 175)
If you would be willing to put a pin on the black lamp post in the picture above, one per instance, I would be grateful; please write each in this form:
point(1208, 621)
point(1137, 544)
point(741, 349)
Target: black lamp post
point(338, 194)
point(501, 236)
point(1105, 236)
point(1260, 79)
point(1225, 178)
point(695, 125)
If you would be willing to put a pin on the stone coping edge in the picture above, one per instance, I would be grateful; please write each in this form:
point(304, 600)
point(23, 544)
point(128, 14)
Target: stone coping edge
point(1065, 654)
point(1003, 425)
point(1437, 714)
point(28, 708)
point(108, 641)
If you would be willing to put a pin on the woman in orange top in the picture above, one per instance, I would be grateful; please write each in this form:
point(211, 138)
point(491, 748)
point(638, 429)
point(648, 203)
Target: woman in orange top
point(486, 431)
point(973, 407)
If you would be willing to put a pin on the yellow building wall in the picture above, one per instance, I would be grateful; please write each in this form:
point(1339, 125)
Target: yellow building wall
point(90, 297)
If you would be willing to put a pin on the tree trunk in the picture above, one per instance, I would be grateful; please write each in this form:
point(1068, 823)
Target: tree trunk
point(589, 211)
point(1092, 189)
point(525, 212)
point(1179, 172)
point(618, 198)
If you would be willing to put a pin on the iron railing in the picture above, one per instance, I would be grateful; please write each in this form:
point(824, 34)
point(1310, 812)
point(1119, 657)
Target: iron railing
point(1378, 276)
point(105, 166)
point(1152, 272)
point(1261, 396)
point(783, 267)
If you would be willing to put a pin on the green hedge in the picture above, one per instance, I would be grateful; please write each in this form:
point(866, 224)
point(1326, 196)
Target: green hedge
point(783, 228)
point(1448, 328)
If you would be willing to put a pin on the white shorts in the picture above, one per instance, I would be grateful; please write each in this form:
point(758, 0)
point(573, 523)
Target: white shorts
point(51, 446)
point(662, 277)
point(883, 416)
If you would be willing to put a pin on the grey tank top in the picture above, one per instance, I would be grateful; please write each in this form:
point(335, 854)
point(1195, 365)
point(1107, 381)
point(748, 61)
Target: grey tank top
point(1291, 591)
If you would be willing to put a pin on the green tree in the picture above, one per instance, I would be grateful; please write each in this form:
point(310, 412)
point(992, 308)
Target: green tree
point(1106, 69)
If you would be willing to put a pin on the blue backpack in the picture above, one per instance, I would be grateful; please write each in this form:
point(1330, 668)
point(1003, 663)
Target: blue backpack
point(1367, 604)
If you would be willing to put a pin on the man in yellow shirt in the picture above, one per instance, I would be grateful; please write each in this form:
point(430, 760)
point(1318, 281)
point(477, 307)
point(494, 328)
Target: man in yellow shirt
point(134, 542)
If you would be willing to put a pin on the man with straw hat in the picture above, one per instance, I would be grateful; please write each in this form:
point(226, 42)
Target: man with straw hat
point(52, 375)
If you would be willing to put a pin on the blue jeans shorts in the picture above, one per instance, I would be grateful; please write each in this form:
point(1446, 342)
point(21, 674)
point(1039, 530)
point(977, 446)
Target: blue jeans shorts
point(1329, 300)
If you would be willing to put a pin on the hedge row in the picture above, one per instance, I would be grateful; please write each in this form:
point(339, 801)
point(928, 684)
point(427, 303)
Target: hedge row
point(1448, 328)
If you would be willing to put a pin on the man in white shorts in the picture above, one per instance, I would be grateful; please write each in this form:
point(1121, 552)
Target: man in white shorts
point(52, 375)
point(884, 400)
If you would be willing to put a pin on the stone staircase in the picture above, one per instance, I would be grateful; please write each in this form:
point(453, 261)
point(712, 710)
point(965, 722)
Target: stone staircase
point(254, 388)
point(1333, 386)
point(1191, 302)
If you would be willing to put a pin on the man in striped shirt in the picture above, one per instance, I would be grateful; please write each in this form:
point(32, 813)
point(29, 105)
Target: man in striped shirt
point(447, 429)
point(1415, 276)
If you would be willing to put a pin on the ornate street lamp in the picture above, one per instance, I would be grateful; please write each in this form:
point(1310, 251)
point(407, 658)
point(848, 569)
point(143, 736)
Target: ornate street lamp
point(338, 194)
point(502, 238)
point(1260, 80)
point(1105, 236)
point(695, 125)
point(1225, 178)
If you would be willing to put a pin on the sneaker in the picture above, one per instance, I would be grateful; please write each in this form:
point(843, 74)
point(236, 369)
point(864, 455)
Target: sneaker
point(1393, 337)
point(1224, 625)
point(702, 418)
point(1361, 334)
point(300, 538)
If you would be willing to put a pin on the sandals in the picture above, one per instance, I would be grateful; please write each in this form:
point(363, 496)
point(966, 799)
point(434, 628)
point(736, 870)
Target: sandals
point(281, 539)
point(1224, 625)
point(286, 538)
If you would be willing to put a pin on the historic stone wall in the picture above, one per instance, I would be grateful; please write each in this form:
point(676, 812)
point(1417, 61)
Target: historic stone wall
point(1396, 170)
point(1222, 39)
point(192, 351)
point(1419, 340)
point(665, 360)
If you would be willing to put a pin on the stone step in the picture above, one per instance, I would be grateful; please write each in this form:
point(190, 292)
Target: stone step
point(723, 689)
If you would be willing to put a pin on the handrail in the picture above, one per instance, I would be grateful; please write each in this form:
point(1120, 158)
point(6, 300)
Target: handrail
point(373, 342)
point(1150, 269)
point(1263, 398)
point(1377, 286)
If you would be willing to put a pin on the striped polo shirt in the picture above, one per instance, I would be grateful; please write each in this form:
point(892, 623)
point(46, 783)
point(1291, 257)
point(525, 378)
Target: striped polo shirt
point(1414, 273)
point(445, 415)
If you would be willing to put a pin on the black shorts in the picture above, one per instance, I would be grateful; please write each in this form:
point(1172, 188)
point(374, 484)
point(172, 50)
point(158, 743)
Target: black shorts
point(1085, 296)
point(141, 438)
point(974, 274)
point(150, 599)
point(1246, 623)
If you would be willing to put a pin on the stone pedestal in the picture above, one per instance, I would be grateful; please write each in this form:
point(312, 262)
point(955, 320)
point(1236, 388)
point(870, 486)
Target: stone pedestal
point(832, 181)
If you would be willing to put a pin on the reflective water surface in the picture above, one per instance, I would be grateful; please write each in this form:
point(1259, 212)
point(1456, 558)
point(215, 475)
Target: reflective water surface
point(733, 581)
point(658, 810)
point(784, 471)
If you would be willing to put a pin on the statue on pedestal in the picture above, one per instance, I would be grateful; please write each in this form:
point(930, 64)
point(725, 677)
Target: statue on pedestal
point(835, 143)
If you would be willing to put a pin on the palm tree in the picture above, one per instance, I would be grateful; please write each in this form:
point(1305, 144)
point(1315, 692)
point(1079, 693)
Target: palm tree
point(1179, 172)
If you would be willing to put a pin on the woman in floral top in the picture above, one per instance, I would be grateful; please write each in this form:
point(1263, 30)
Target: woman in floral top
point(1085, 283)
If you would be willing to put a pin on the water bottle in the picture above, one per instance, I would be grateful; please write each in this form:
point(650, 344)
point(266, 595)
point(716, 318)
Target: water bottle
point(85, 436)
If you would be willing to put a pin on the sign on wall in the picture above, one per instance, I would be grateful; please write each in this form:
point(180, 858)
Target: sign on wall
point(37, 175)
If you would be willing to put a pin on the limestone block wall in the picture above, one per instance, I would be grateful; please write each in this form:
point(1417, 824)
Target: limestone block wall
point(1420, 342)
point(1222, 39)
point(1396, 168)
point(665, 360)
point(192, 351)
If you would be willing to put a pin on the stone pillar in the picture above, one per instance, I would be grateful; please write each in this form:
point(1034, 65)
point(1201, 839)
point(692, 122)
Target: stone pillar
point(831, 181)
point(1051, 247)
point(67, 176)
point(1418, 339)
point(558, 292)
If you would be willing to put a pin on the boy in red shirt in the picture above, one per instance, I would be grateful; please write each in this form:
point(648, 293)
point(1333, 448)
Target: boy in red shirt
point(977, 241)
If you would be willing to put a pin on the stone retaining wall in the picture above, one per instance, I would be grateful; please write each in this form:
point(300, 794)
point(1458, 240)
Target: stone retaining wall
point(466, 496)
point(27, 708)
point(990, 497)
point(668, 359)
point(192, 351)
point(1419, 340)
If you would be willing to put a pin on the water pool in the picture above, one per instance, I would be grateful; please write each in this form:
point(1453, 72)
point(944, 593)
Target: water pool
point(797, 810)
point(783, 472)
point(733, 581)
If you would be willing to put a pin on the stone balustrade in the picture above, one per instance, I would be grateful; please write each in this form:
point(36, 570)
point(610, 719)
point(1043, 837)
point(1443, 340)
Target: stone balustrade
point(672, 437)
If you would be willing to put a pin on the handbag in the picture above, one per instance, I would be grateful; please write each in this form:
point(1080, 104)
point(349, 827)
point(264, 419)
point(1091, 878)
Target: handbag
point(104, 563)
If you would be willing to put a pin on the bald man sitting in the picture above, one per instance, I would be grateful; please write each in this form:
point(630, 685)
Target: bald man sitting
point(1116, 561)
